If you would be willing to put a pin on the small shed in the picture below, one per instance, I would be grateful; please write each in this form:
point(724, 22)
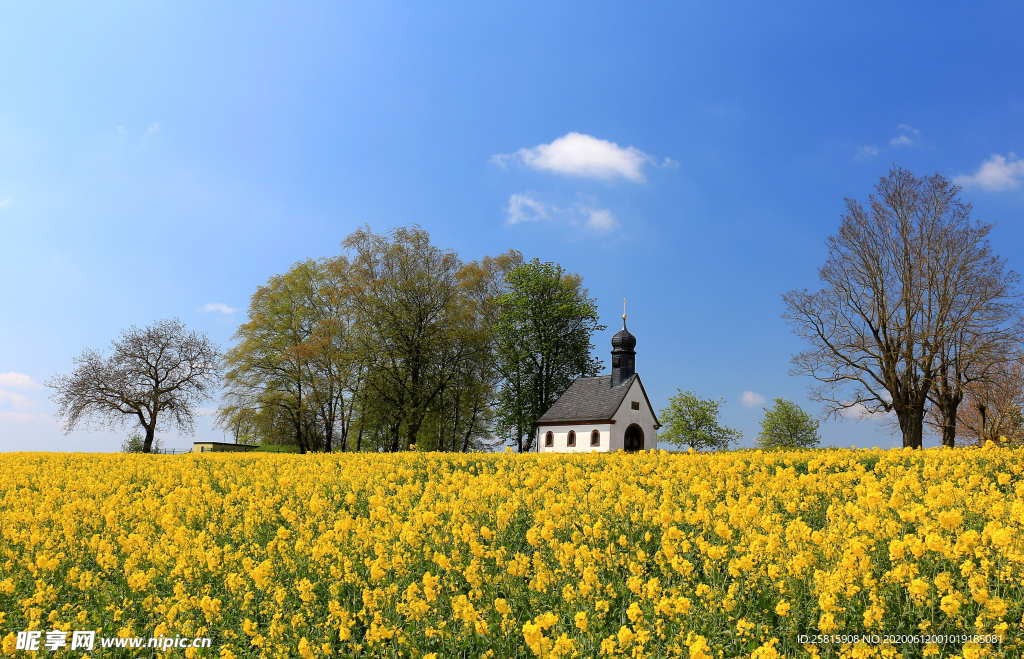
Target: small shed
point(221, 447)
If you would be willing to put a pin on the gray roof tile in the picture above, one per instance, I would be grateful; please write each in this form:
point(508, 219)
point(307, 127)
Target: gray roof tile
point(588, 399)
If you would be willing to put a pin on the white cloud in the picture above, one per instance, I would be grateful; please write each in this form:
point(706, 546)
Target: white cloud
point(859, 411)
point(153, 128)
point(752, 399)
point(524, 208)
point(866, 152)
point(18, 381)
point(14, 401)
point(600, 220)
point(997, 173)
point(19, 417)
point(218, 307)
point(5, 202)
point(907, 135)
point(576, 154)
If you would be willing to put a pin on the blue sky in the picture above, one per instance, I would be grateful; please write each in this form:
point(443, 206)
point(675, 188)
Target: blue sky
point(159, 157)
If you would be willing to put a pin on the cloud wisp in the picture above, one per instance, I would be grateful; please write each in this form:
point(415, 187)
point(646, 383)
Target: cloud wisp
point(751, 399)
point(217, 307)
point(522, 208)
point(996, 174)
point(859, 411)
point(906, 136)
point(12, 380)
point(584, 156)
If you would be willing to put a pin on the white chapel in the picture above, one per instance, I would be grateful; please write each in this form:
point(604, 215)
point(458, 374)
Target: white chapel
point(603, 413)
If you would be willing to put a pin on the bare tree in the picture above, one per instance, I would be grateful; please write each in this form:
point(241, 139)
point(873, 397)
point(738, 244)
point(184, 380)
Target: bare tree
point(911, 288)
point(993, 407)
point(975, 360)
point(155, 375)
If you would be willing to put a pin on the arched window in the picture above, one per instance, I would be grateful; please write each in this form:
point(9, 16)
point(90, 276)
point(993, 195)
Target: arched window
point(549, 439)
point(570, 439)
point(595, 437)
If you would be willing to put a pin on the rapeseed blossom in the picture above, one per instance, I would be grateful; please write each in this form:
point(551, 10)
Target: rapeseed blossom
point(420, 554)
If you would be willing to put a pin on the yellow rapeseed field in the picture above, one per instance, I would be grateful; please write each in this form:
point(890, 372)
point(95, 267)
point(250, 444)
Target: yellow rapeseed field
point(503, 555)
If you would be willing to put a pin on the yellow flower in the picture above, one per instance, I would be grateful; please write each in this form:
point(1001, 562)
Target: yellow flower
point(950, 519)
point(547, 620)
point(918, 588)
point(950, 604)
point(766, 650)
point(698, 647)
point(261, 574)
point(408, 553)
point(564, 646)
point(10, 642)
point(534, 637)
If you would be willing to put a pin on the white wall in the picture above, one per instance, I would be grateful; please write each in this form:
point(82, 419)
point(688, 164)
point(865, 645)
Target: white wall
point(625, 416)
point(582, 438)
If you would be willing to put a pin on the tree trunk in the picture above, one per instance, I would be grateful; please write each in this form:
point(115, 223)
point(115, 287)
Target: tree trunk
point(949, 425)
point(412, 432)
point(299, 438)
point(147, 446)
point(911, 421)
point(328, 433)
point(984, 429)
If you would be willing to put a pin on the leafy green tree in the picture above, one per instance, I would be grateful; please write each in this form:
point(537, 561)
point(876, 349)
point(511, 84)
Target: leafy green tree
point(787, 426)
point(693, 422)
point(466, 417)
point(543, 336)
point(269, 369)
point(414, 329)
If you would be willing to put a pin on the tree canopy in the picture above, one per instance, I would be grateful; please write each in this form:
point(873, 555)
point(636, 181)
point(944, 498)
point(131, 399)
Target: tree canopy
point(785, 425)
point(389, 345)
point(154, 376)
point(543, 329)
point(913, 303)
point(693, 422)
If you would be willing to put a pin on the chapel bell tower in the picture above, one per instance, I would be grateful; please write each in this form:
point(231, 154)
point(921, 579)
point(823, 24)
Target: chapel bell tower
point(623, 353)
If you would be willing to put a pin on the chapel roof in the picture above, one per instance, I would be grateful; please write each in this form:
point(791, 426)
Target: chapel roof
point(588, 399)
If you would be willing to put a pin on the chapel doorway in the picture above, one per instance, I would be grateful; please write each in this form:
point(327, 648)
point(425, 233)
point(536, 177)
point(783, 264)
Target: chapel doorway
point(634, 440)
